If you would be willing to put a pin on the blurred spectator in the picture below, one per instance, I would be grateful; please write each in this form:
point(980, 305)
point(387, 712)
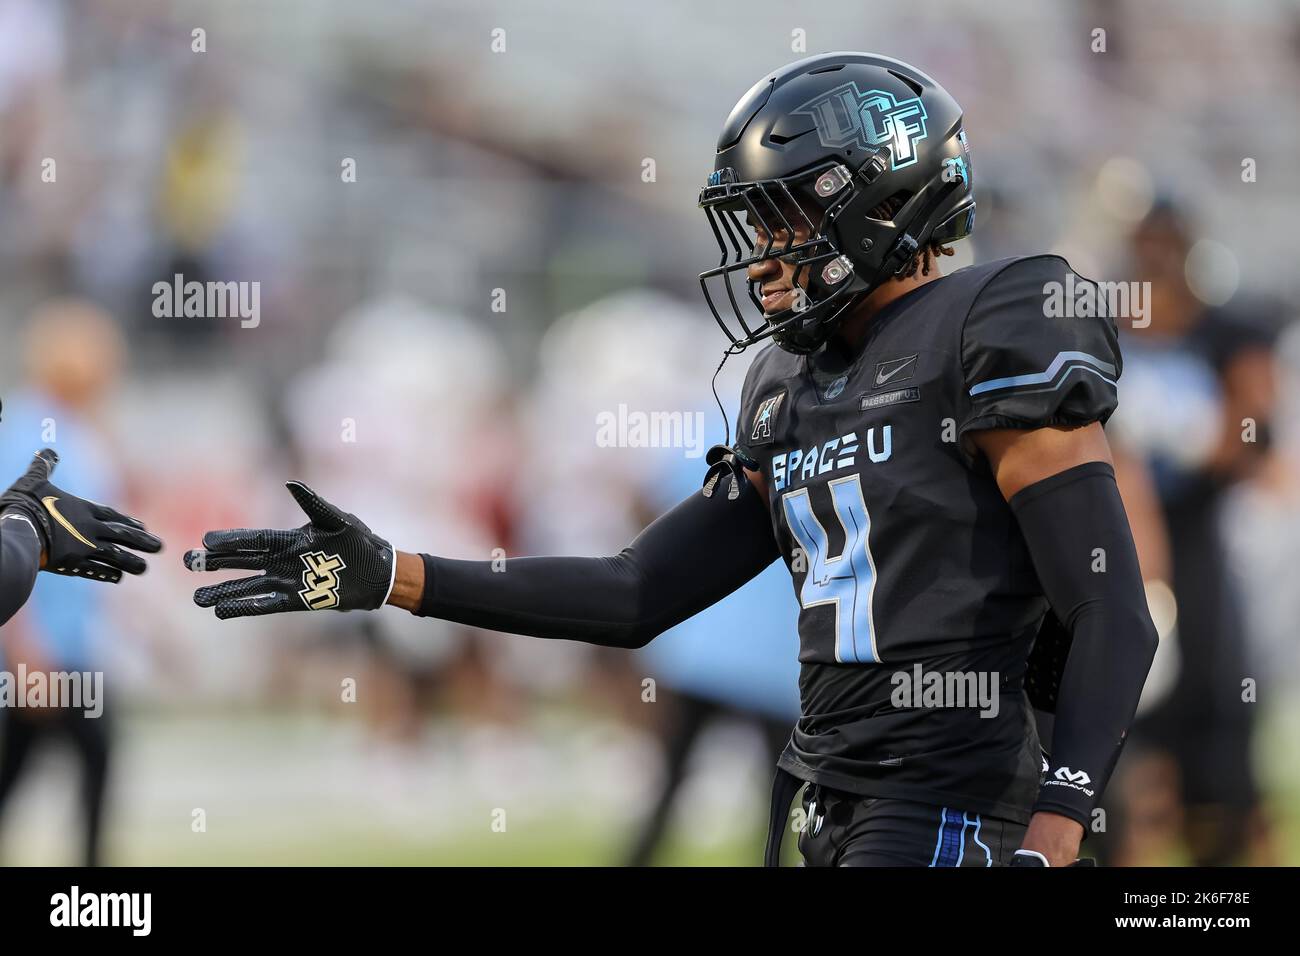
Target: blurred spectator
point(1197, 401)
point(636, 358)
point(738, 660)
point(431, 423)
point(73, 361)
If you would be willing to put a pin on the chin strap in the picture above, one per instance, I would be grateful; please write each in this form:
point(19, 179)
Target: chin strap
point(723, 459)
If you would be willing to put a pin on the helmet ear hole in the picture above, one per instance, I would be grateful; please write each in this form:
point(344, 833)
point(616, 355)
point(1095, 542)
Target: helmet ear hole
point(887, 210)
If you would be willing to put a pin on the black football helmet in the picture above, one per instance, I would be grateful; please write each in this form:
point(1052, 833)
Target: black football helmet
point(863, 153)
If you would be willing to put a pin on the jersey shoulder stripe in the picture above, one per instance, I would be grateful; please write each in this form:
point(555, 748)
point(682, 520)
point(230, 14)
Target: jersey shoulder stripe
point(1062, 365)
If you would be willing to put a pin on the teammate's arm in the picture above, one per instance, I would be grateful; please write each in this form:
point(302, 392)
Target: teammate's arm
point(1061, 485)
point(688, 559)
point(20, 560)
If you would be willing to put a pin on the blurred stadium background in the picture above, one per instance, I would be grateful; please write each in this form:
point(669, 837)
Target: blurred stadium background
point(384, 359)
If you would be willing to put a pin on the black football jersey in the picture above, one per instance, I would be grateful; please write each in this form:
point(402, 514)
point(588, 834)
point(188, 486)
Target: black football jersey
point(900, 545)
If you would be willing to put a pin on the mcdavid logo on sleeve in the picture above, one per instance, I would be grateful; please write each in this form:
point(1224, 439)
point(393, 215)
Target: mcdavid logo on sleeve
point(1074, 779)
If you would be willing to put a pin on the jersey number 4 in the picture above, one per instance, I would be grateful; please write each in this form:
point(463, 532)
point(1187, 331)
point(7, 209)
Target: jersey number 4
point(848, 579)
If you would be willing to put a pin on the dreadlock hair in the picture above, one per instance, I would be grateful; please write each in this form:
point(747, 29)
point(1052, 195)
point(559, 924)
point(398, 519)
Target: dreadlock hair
point(922, 259)
point(925, 255)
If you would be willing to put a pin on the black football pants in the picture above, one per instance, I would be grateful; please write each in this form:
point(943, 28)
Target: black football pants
point(845, 829)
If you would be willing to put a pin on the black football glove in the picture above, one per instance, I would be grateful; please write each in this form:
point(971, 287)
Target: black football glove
point(1030, 858)
point(333, 563)
point(79, 537)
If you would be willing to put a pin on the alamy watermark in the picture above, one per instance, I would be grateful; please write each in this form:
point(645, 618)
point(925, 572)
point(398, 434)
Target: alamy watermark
point(75, 690)
point(919, 688)
point(630, 428)
point(133, 911)
point(208, 300)
point(1079, 298)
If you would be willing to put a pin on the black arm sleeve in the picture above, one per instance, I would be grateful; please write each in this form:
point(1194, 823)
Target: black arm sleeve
point(20, 560)
point(686, 560)
point(1078, 535)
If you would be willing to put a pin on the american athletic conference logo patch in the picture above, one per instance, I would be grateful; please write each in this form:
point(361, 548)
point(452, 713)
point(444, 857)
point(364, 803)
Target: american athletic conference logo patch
point(761, 434)
point(320, 580)
point(845, 116)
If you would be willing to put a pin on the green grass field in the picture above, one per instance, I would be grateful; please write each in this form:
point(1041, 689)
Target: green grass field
point(298, 790)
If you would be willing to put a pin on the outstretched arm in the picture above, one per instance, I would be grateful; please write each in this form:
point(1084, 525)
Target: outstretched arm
point(690, 558)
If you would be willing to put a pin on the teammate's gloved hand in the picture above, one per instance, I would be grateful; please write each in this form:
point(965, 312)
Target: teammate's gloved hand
point(78, 537)
point(332, 563)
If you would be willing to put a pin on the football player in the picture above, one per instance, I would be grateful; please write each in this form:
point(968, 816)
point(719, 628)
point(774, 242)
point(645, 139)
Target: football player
point(924, 453)
point(43, 528)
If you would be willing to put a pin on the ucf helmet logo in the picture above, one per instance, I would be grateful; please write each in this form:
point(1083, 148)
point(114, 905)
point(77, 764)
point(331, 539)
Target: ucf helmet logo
point(320, 580)
point(845, 116)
